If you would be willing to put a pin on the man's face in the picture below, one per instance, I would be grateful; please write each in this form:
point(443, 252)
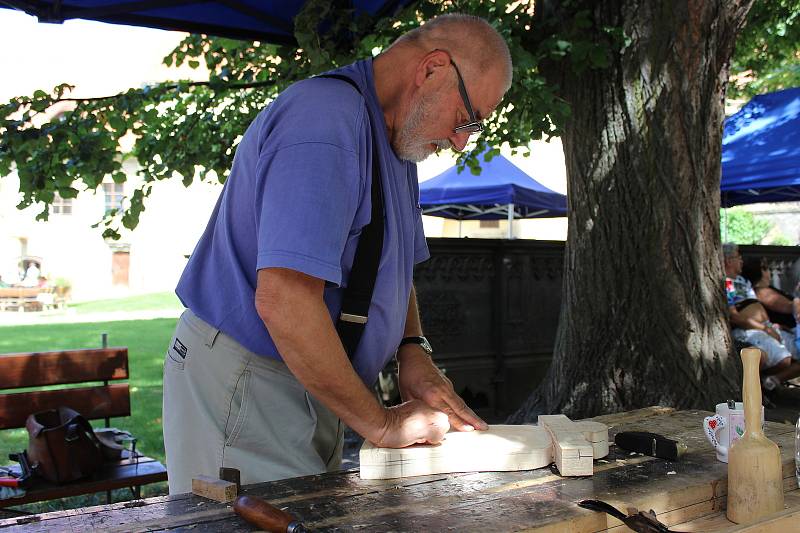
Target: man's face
point(434, 116)
point(413, 143)
point(733, 264)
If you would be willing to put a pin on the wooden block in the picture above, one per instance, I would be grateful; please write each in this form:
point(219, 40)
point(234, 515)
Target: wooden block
point(575, 444)
point(500, 448)
point(214, 489)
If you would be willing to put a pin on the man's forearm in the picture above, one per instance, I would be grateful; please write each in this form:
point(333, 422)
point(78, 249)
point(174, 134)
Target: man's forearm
point(413, 328)
point(747, 323)
point(309, 345)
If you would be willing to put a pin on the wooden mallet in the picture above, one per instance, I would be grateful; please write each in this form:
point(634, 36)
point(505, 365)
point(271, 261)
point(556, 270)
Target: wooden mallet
point(755, 475)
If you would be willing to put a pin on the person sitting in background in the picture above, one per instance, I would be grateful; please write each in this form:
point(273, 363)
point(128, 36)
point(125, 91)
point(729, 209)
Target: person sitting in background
point(31, 278)
point(750, 323)
point(781, 307)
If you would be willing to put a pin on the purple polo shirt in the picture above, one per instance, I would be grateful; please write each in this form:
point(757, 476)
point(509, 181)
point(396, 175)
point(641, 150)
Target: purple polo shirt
point(297, 197)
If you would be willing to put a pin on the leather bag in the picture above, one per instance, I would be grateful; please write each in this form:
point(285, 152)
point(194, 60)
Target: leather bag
point(62, 446)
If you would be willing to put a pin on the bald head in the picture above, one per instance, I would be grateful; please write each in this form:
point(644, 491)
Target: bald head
point(471, 40)
point(437, 83)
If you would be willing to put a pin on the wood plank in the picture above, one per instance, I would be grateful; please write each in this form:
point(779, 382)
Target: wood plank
point(92, 402)
point(57, 368)
point(717, 522)
point(111, 476)
point(214, 489)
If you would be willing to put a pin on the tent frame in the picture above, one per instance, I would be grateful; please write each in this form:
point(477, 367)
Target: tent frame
point(473, 211)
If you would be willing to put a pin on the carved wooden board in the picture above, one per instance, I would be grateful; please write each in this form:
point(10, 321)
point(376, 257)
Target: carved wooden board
point(575, 444)
point(500, 448)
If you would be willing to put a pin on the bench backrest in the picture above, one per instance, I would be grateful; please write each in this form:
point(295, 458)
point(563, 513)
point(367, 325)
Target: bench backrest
point(20, 292)
point(25, 370)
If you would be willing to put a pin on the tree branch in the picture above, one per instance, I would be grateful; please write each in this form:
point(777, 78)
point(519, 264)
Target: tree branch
point(215, 86)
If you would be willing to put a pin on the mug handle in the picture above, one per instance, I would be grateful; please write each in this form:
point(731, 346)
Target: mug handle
point(711, 434)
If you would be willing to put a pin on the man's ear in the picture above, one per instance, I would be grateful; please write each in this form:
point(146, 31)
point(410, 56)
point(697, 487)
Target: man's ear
point(432, 64)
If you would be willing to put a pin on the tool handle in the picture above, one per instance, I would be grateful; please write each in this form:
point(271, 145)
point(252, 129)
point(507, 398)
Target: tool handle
point(752, 392)
point(263, 515)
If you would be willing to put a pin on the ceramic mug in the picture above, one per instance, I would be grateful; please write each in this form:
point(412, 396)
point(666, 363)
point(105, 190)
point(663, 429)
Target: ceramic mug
point(726, 427)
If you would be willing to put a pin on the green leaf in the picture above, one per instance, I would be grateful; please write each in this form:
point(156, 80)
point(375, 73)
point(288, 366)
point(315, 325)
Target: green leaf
point(118, 123)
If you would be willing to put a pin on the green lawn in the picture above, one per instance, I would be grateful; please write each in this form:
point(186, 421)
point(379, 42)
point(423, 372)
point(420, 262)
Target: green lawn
point(146, 341)
point(142, 302)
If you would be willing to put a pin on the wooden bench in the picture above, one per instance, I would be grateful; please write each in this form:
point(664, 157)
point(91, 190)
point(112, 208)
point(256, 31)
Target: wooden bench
point(28, 298)
point(96, 401)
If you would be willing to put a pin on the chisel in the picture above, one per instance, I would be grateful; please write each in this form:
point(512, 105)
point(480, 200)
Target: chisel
point(267, 517)
point(651, 444)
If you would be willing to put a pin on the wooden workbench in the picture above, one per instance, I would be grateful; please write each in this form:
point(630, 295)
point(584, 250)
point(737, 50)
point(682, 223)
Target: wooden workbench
point(687, 495)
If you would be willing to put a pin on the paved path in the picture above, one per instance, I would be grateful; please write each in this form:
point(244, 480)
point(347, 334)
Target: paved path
point(69, 316)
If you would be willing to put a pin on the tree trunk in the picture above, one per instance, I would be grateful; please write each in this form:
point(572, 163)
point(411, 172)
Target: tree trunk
point(643, 319)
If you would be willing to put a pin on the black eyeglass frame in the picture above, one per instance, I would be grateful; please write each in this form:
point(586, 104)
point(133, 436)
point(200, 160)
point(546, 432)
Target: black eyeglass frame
point(474, 125)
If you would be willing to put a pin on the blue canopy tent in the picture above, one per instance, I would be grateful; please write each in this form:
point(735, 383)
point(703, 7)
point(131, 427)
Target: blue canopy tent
point(501, 191)
point(761, 151)
point(269, 21)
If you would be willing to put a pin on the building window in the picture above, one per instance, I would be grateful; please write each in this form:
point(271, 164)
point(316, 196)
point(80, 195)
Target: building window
point(61, 206)
point(490, 224)
point(114, 193)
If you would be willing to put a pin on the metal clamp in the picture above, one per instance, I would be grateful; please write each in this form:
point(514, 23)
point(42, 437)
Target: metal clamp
point(355, 319)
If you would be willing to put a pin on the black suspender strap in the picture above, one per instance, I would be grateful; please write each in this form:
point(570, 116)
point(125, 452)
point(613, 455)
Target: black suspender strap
point(361, 284)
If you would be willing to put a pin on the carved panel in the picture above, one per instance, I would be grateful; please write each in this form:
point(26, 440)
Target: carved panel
point(442, 315)
point(448, 267)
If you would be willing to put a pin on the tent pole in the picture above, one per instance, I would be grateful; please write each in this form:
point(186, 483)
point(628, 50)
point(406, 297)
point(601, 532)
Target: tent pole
point(459, 228)
point(725, 226)
point(510, 221)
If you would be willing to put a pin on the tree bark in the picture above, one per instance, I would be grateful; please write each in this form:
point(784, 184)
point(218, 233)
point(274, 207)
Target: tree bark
point(643, 319)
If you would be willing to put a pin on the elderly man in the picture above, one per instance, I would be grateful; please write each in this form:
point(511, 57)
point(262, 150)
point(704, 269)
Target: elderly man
point(256, 377)
point(750, 323)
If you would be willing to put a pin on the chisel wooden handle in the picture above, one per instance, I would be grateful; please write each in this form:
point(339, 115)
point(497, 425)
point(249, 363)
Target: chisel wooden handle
point(265, 516)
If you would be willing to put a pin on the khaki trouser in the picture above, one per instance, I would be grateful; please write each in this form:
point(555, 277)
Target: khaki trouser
point(226, 406)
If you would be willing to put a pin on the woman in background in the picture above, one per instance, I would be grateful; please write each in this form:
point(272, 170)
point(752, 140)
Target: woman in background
point(782, 308)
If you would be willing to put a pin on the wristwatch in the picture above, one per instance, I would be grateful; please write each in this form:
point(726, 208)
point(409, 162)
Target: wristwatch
point(421, 341)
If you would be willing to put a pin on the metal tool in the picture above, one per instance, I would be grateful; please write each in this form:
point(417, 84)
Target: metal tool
point(10, 482)
point(231, 475)
point(651, 444)
point(639, 521)
point(22, 479)
point(267, 517)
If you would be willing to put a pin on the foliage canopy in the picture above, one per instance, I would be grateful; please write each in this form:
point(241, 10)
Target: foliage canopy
point(189, 130)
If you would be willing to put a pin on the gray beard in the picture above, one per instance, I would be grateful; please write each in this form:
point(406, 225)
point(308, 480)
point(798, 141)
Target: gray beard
point(410, 145)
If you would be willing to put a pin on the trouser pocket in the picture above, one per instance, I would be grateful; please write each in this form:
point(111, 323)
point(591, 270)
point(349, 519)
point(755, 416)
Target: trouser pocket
point(237, 415)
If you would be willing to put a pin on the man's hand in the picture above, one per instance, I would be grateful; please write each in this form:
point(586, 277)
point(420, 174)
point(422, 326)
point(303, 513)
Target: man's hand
point(410, 423)
point(772, 332)
point(420, 379)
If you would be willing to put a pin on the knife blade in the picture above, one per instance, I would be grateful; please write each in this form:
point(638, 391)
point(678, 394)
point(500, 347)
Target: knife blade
point(651, 444)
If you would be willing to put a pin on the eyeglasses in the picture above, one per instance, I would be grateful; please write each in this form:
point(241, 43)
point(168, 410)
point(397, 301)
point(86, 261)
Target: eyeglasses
point(474, 125)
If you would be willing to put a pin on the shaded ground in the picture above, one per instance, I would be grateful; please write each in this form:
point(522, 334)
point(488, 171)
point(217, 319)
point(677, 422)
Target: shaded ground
point(783, 405)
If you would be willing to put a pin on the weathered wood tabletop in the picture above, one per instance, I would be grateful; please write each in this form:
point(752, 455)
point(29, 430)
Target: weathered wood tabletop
point(688, 494)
